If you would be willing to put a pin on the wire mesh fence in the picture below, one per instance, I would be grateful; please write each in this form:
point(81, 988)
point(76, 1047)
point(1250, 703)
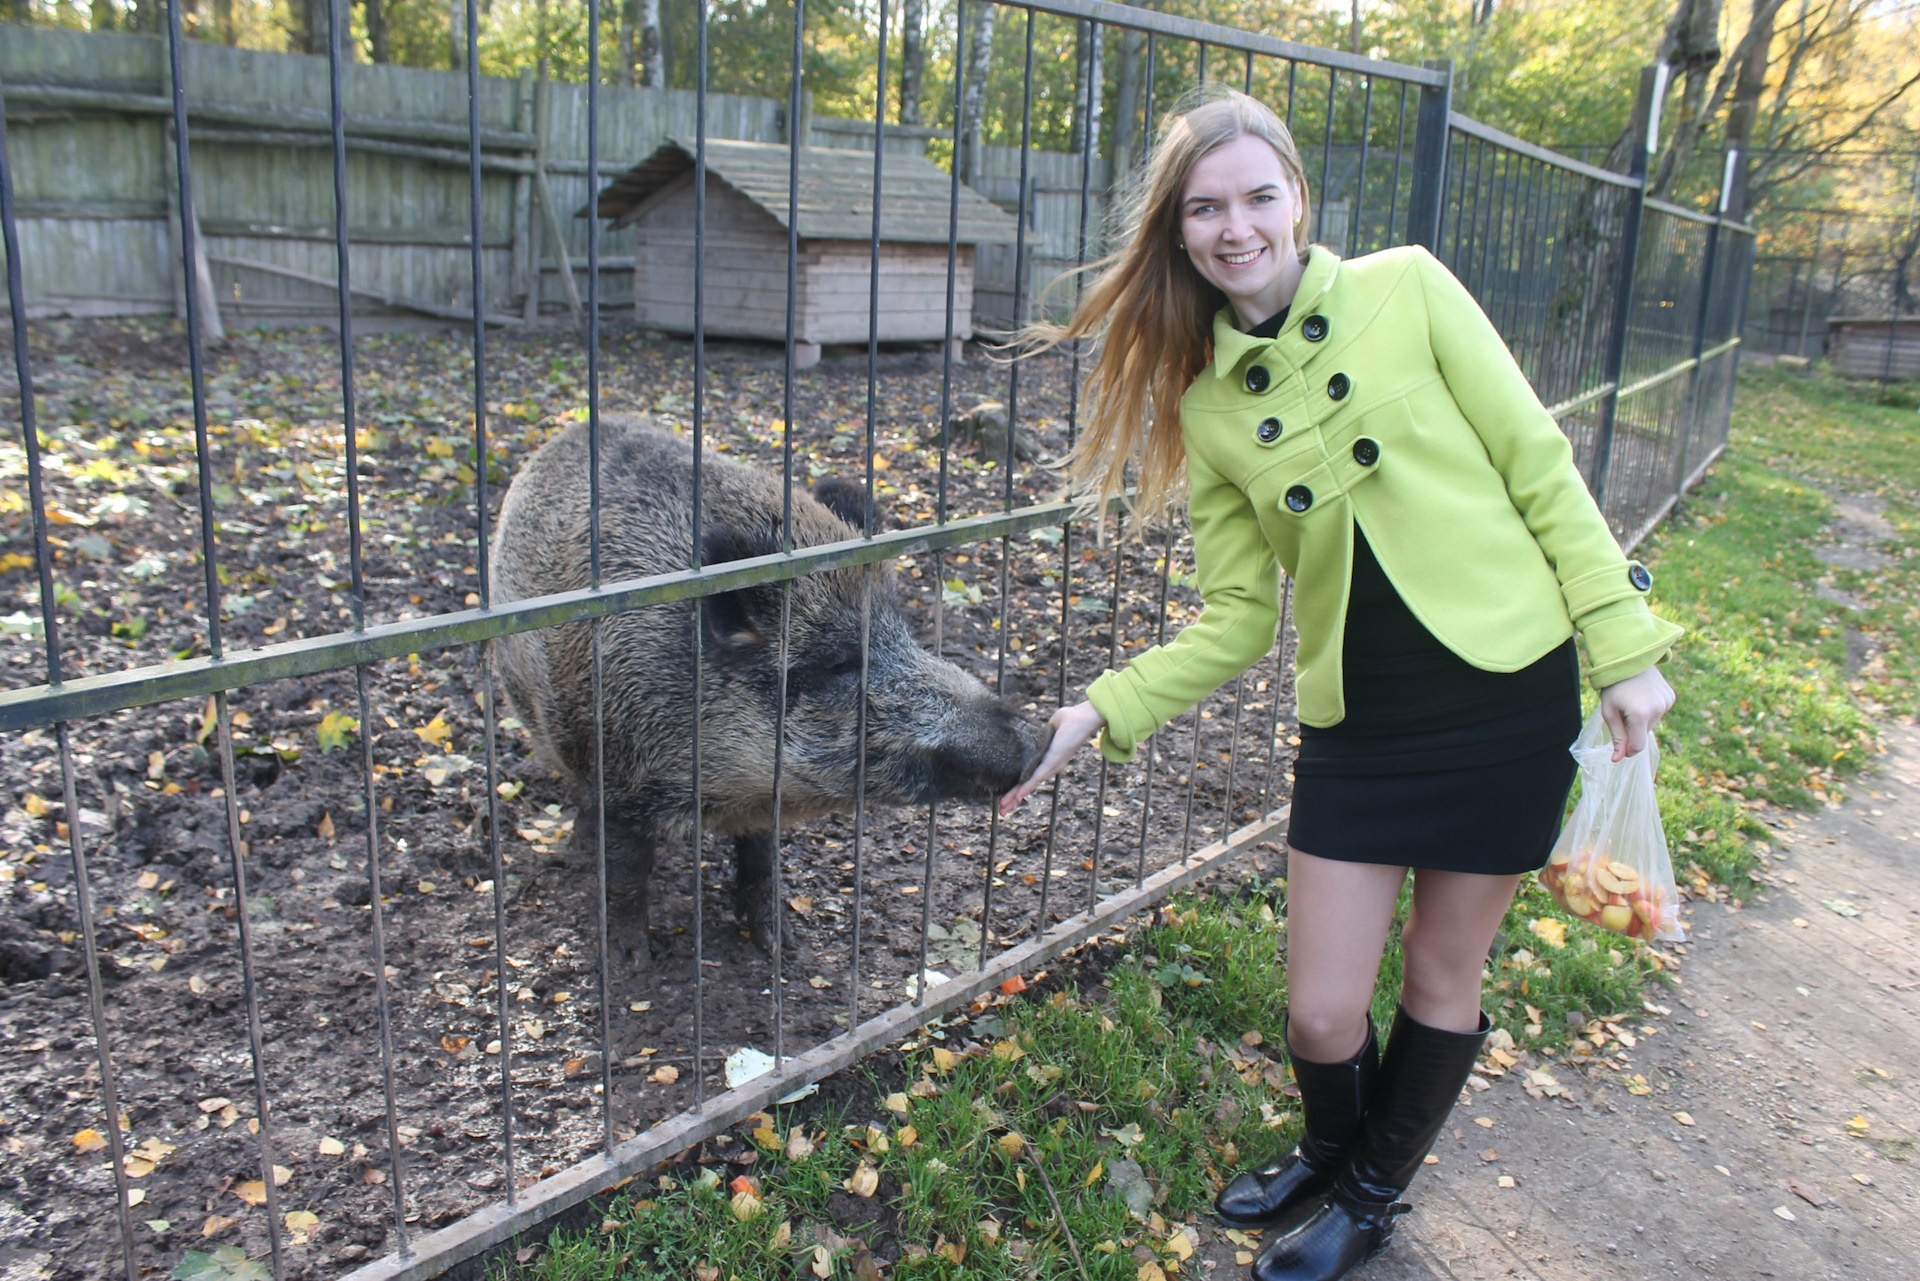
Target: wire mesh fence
point(335, 955)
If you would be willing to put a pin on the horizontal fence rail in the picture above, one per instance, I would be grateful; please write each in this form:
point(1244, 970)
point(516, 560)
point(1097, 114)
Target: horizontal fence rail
point(403, 923)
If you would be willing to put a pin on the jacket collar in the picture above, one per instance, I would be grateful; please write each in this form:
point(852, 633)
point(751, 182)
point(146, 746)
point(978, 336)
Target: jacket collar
point(1230, 343)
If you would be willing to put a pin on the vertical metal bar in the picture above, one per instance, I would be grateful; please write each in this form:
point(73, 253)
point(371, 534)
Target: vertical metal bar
point(597, 631)
point(50, 633)
point(486, 590)
point(700, 602)
point(866, 575)
point(1246, 81)
point(1233, 748)
point(1293, 72)
point(796, 144)
point(1702, 316)
point(1399, 152)
point(344, 276)
point(1106, 766)
point(190, 256)
point(1020, 303)
point(1813, 278)
point(1326, 161)
point(1279, 680)
point(1356, 238)
point(1202, 77)
point(1643, 111)
point(1159, 638)
point(1424, 205)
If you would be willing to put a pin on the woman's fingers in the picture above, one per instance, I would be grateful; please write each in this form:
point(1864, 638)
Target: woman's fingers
point(1069, 727)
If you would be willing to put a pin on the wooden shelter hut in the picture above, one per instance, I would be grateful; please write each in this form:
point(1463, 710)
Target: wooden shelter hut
point(1874, 346)
point(745, 275)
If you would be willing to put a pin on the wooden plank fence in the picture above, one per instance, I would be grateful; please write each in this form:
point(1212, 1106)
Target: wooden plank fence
point(89, 120)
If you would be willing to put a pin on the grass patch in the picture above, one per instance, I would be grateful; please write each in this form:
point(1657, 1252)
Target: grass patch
point(1126, 1101)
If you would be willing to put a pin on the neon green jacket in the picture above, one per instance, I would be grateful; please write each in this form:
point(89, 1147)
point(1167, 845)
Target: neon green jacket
point(1387, 399)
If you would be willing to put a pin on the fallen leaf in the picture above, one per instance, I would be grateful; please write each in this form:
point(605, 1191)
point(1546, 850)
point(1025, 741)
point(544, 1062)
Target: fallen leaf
point(801, 903)
point(1180, 1245)
point(89, 1140)
point(435, 731)
point(136, 1196)
point(1012, 1143)
point(253, 1191)
point(1858, 1127)
point(799, 1146)
point(665, 1074)
point(1785, 1213)
point(1683, 1118)
point(864, 1181)
point(1550, 931)
point(747, 1206)
point(332, 1147)
point(1807, 1192)
point(216, 1224)
point(301, 1225)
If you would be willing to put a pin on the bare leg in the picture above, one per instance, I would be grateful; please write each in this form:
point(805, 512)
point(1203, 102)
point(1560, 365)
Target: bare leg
point(1445, 941)
point(1338, 915)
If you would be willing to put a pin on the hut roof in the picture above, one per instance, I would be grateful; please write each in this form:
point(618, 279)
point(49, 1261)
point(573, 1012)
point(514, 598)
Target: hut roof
point(836, 191)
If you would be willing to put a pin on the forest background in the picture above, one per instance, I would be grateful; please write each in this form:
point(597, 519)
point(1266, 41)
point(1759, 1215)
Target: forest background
point(1820, 95)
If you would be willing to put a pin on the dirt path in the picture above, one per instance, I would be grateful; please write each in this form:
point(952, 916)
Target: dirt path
point(1792, 1049)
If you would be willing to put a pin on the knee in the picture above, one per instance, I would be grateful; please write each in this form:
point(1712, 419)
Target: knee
point(1325, 1031)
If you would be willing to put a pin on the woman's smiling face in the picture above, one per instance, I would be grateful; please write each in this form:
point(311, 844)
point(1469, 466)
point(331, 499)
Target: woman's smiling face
point(1236, 217)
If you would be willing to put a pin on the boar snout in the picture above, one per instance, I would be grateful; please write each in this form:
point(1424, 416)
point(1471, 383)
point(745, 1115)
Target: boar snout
point(987, 753)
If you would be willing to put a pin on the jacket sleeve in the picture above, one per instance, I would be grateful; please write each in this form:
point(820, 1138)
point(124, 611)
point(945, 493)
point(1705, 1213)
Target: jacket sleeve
point(1605, 592)
point(1240, 585)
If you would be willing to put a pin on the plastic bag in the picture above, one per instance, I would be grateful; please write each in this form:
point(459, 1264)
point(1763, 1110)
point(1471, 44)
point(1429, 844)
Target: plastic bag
point(1610, 865)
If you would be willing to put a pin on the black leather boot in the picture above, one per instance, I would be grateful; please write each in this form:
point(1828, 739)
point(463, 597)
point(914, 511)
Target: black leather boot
point(1333, 1099)
point(1421, 1074)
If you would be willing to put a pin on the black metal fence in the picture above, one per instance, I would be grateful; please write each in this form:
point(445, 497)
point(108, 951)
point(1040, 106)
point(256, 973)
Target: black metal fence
point(1841, 285)
point(1624, 311)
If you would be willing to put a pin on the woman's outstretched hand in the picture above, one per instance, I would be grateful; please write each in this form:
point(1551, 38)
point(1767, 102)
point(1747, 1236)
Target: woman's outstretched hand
point(1632, 707)
point(1068, 729)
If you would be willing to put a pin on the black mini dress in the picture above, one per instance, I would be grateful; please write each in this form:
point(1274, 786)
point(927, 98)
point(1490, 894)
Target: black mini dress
point(1437, 763)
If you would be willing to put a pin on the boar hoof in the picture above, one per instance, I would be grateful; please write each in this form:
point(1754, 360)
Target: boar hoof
point(760, 915)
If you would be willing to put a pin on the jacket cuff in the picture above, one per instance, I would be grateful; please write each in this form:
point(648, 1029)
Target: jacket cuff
point(1625, 639)
point(1601, 587)
point(1124, 713)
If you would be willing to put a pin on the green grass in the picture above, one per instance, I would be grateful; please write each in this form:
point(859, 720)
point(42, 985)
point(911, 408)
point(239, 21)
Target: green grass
point(1162, 1059)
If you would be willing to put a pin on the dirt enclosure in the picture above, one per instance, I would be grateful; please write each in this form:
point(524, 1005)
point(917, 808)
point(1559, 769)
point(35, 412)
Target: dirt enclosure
point(116, 421)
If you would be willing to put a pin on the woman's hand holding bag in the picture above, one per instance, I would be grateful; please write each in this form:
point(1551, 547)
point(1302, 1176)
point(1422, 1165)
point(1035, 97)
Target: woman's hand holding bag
point(1610, 865)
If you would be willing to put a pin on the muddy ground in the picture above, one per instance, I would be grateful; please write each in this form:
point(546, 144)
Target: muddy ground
point(154, 811)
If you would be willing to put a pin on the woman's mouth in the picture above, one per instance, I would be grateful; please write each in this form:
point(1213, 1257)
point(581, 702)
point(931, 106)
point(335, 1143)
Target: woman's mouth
point(1241, 259)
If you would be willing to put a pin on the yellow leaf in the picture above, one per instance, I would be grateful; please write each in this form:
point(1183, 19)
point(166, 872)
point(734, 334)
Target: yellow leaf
point(216, 1224)
point(1683, 1118)
point(138, 1167)
point(877, 1140)
point(332, 1147)
point(943, 1059)
point(36, 805)
point(1150, 1271)
point(301, 1224)
point(801, 904)
point(864, 1181)
point(766, 1138)
point(822, 1265)
point(1093, 1175)
point(1012, 1144)
point(1180, 1245)
point(896, 1103)
point(89, 1140)
point(253, 1191)
point(1008, 1051)
point(665, 1074)
point(136, 1196)
point(1857, 1127)
point(908, 1136)
point(1551, 932)
point(435, 731)
point(747, 1206)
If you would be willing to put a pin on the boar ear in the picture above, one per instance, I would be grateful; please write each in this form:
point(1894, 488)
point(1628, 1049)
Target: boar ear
point(846, 500)
point(747, 616)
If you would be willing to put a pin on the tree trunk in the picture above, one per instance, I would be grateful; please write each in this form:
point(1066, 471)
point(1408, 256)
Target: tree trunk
point(381, 47)
point(457, 30)
point(623, 65)
point(913, 59)
point(653, 65)
point(1089, 78)
point(1691, 45)
point(1745, 111)
point(979, 49)
point(1355, 26)
point(1128, 128)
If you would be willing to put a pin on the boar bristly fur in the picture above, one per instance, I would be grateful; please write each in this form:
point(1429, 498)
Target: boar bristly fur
point(933, 732)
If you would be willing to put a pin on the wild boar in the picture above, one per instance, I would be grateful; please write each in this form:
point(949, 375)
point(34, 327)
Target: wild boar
point(933, 732)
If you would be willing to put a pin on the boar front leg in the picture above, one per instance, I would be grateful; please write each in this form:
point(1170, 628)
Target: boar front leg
point(753, 902)
point(630, 849)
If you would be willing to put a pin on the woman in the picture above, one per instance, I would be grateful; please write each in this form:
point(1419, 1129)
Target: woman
point(1362, 426)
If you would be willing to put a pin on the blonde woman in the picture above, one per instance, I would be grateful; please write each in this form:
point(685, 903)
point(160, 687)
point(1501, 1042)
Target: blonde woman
point(1362, 426)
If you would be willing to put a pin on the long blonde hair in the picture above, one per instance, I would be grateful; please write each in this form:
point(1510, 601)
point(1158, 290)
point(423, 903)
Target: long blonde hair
point(1152, 312)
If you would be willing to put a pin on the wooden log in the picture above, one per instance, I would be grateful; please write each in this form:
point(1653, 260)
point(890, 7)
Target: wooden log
point(20, 98)
point(543, 121)
point(449, 156)
point(358, 291)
